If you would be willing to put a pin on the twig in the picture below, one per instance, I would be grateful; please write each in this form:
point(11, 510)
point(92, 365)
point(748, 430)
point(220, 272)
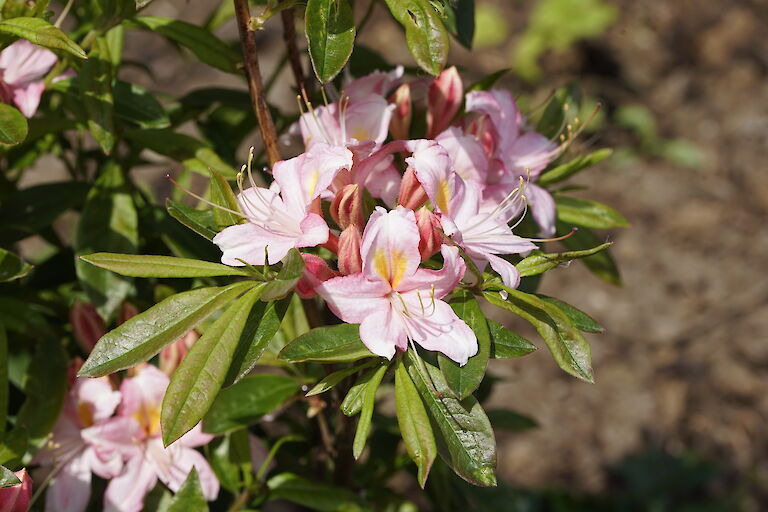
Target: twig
point(294, 56)
point(255, 86)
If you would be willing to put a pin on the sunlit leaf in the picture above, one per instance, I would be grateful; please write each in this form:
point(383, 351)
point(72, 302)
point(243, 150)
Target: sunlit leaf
point(414, 424)
point(337, 343)
point(330, 30)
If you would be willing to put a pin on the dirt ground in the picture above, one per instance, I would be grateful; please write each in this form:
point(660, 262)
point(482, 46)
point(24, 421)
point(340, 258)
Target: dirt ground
point(684, 362)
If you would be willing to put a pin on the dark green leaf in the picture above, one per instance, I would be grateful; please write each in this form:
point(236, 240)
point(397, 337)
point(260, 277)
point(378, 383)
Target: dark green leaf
point(200, 375)
point(540, 262)
point(312, 494)
point(135, 104)
point(568, 169)
point(199, 221)
point(96, 94)
point(230, 458)
point(580, 319)
point(505, 343)
point(13, 125)
point(600, 264)
point(3, 379)
point(414, 424)
point(36, 207)
point(510, 420)
point(463, 380)
point(222, 195)
point(588, 213)
point(44, 386)
point(7, 478)
point(14, 446)
point(425, 33)
point(366, 412)
point(330, 380)
point(190, 497)
point(40, 32)
point(159, 266)
point(460, 21)
point(333, 344)
point(146, 334)
point(247, 401)
point(562, 109)
point(487, 82)
point(286, 279)
point(12, 267)
point(330, 30)
point(353, 402)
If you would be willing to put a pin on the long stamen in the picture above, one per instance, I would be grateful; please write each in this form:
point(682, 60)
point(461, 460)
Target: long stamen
point(574, 229)
point(204, 200)
point(311, 110)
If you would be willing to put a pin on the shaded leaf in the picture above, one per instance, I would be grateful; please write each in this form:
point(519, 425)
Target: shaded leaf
point(96, 94)
point(39, 31)
point(3, 379)
point(505, 343)
point(35, 208)
point(13, 125)
point(368, 398)
point(330, 380)
point(539, 262)
point(199, 221)
point(460, 21)
point(45, 383)
point(510, 420)
point(337, 343)
point(134, 265)
point(414, 424)
point(287, 277)
point(580, 319)
point(12, 267)
point(312, 494)
point(425, 33)
point(7, 478)
point(568, 169)
point(353, 402)
point(222, 195)
point(135, 104)
point(487, 82)
point(600, 264)
point(588, 213)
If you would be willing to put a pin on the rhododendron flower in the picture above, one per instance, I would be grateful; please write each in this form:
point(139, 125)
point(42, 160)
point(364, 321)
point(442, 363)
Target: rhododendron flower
point(395, 301)
point(16, 498)
point(22, 68)
point(444, 98)
point(148, 460)
point(279, 218)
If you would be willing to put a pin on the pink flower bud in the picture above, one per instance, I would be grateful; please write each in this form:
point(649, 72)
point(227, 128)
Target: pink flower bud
point(430, 235)
point(316, 271)
point(400, 124)
point(87, 325)
point(16, 498)
point(347, 207)
point(172, 355)
point(412, 194)
point(127, 311)
point(443, 101)
point(350, 261)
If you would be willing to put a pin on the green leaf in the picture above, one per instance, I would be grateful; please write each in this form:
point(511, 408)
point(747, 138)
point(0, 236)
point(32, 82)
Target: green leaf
point(562, 109)
point(414, 424)
point(505, 343)
point(190, 497)
point(199, 221)
point(222, 195)
point(135, 104)
point(35, 208)
point(7, 478)
point(330, 380)
point(487, 82)
point(133, 265)
point(206, 46)
point(600, 264)
point(45, 383)
point(230, 458)
point(13, 125)
point(200, 375)
point(146, 334)
point(18, 8)
point(96, 94)
point(247, 401)
point(468, 443)
point(330, 30)
point(263, 323)
point(567, 345)
point(580, 319)
point(3, 379)
point(510, 420)
point(14, 446)
point(353, 402)
point(588, 213)
point(332, 344)
point(425, 33)
point(312, 494)
point(12, 267)
point(366, 412)
point(109, 223)
point(463, 380)
point(39, 31)
point(539, 262)
point(568, 169)
point(286, 279)
point(460, 21)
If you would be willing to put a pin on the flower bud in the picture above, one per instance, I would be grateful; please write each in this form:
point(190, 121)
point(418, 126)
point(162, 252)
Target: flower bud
point(347, 207)
point(350, 261)
point(412, 194)
point(400, 124)
point(87, 325)
point(127, 311)
point(172, 355)
point(316, 271)
point(430, 235)
point(443, 101)
point(17, 497)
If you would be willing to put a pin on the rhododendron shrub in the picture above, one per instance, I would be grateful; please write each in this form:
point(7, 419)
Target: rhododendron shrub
point(307, 320)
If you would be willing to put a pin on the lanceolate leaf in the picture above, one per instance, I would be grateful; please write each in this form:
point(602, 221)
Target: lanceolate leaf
point(510, 420)
point(414, 424)
point(540, 262)
point(199, 221)
point(580, 319)
point(190, 497)
point(330, 380)
point(312, 494)
point(460, 20)
point(146, 334)
point(505, 343)
point(600, 264)
point(40, 32)
point(463, 380)
point(353, 402)
point(96, 93)
point(196, 381)
point(159, 266)
point(366, 412)
point(568, 169)
point(287, 277)
point(222, 195)
point(135, 104)
point(338, 343)
point(13, 125)
point(330, 29)
point(468, 443)
point(12, 267)
point(588, 213)
point(424, 32)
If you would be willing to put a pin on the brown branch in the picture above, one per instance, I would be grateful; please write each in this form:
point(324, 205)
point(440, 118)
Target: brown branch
point(294, 56)
point(255, 86)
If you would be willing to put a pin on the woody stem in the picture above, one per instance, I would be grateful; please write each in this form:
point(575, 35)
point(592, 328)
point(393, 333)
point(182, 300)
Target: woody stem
point(294, 56)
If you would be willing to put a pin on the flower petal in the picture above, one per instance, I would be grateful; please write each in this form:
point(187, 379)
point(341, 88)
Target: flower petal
point(438, 328)
point(508, 272)
point(126, 492)
point(248, 242)
point(353, 298)
point(466, 153)
point(443, 280)
point(382, 331)
point(390, 246)
point(70, 489)
point(543, 208)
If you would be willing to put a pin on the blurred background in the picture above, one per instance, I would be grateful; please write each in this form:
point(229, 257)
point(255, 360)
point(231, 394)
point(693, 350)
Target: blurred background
point(677, 417)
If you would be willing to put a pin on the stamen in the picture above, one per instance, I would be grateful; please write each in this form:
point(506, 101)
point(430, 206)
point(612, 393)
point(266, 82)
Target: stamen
point(204, 200)
point(574, 229)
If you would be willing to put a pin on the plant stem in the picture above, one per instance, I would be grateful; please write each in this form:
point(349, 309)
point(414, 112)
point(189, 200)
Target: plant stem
point(255, 86)
point(294, 56)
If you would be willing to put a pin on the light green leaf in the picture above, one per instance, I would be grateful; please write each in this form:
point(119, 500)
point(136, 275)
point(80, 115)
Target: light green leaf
point(134, 265)
point(222, 195)
point(425, 33)
point(330, 30)
point(39, 31)
point(337, 343)
point(366, 412)
point(588, 213)
point(199, 221)
point(190, 497)
point(580, 319)
point(330, 380)
point(7, 478)
point(135, 104)
point(13, 125)
point(568, 169)
point(312, 494)
point(539, 262)
point(414, 424)
point(12, 267)
point(353, 402)
point(96, 94)
point(505, 343)
point(146, 334)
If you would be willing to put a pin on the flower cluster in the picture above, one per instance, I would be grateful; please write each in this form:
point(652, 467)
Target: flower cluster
point(394, 203)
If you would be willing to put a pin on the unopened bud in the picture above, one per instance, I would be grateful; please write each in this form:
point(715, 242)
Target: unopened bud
point(412, 194)
point(172, 355)
point(430, 235)
point(316, 271)
point(347, 207)
point(87, 325)
point(350, 261)
point(400, 124)
point(443, 101)
point(127, 311)
point(17, 497)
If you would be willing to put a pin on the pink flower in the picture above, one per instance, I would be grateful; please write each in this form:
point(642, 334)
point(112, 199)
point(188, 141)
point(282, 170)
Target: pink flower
point(393, 300)
point(16, 498)
point(87, 325)
point(22, 68)
point(148, 460)
point(279, 218)
point(443, 100)
point(316, 271)
point(172, 355)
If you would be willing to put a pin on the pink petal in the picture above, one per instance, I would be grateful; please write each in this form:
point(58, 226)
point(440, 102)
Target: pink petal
point(23, 62)
point(314, 231)
point(368, 119)
point(27, 98)
point(143, 392)
point(98, 396)
point(443, 100)
point(70, 489)
point(434, 170)
point(390, 247)
point(508, 272)
point(466, 153)
point(440, 329)
point(530, 153)
point(375, 83)
point(443, 280)
point(126, 492)
point(353, 298)
point(248, 241)
point(543, 208)
point(195, 437)
point(182, 463)
point(381, 332)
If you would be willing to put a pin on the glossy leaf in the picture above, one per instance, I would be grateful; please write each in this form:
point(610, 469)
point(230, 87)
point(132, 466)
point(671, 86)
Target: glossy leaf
point(144, 335)
point(199, 221)
point(414, 424)
point(247, 401)
point(576, 165)
point(505, 343)
point(96, 94)
point(287, 277)
point(468, 445)
point(459, 19)
point(189, 497)
point(510, 420)
point(134, 265)
point(312, 494)
point(200, 375)
point(330, 30)
point(42, 33)
point(368, 398)
point(353, 402)
point(135, 104)
point(425, 33)
point(45, 383)
point(332, 344)
point(12, 267)
point(7, 478)
point(580, 319)
point(330, 380)
point(600, 264)
point(463, 380)
point(539, 262)
point(222, 195)
point(13, 125)
point(588, 213)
